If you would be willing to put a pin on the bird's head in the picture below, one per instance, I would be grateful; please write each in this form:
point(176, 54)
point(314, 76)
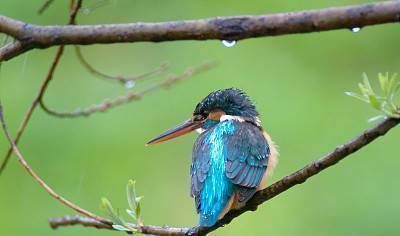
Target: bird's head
point(220, 105)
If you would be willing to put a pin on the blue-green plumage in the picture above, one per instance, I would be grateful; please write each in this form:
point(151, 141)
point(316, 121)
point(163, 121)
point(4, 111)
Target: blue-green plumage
point(229, 157)
point(217, 188)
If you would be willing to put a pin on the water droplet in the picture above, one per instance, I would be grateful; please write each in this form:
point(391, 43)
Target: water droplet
point(355, 29)
point(228, 43)
point(86, 11)
point(129, 84)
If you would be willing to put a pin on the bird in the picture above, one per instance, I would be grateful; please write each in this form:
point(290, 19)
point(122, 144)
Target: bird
point(231, 157)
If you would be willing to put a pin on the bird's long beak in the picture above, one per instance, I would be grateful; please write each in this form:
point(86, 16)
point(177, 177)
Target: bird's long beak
point(177, 131)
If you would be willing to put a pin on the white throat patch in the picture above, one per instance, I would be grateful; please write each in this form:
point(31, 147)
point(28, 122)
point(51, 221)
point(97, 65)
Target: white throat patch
point(228, 117)
point(200, 130)
point(238, 118)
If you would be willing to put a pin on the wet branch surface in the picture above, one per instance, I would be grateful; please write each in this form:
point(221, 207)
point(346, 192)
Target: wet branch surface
point(30, 36)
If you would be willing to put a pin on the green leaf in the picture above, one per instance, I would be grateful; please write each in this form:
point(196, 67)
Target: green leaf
point(375, 103)
point(138, 199)
point(131, 195)
point(363, 89)
point(383, 81)
point(114, 215)
point(385, 99)
point(357, 96)
point(137, 212)
point(367, 85)
point(392, 84)
point(375, 118)
point(131, 213)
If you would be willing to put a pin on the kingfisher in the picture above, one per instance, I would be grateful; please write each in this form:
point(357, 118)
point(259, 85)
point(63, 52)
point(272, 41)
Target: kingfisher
point(231, 157)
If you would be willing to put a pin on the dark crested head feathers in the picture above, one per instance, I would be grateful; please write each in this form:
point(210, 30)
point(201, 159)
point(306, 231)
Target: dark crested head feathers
point(232, 101)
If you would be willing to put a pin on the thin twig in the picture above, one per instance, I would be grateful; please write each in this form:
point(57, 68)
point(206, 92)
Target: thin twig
point(289, 181)
point(44, 7)
point(33, 107)
point(88, 222)
point(107, 104)
point(43, 184)
point(228, 28)
point(75, 220)
point(121, 79)
point(93, 220)
point(43, 88)
point(5, 38)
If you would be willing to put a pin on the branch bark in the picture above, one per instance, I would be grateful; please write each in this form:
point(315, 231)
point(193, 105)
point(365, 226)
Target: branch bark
point(273, 190)
point(228, 28)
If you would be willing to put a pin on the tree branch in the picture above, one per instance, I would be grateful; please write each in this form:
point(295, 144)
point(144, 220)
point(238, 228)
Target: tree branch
point(43, 184)
point(121, 79)
point(229, 28)
point(273, 190)
point(44, 7)
point(108, 104)
point(43, 87)
point(88, 222)
point(91, 219)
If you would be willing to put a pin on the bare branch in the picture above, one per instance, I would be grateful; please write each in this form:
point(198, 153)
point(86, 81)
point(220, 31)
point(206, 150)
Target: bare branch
point(33, 106)
point(308, 171)
point(5, 38)
point(77, 220)
point(285, 183)
point(93, 220)
point(44, 7)
point(88, 222)
point(13, 49)
point(43, 184)
point(121, 79)
point(43, 87)
point(105, 105)
point(229, 28)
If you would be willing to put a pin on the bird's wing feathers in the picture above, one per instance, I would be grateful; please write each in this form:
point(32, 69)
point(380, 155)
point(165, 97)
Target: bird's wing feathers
point(199, 168)
point(247, 159)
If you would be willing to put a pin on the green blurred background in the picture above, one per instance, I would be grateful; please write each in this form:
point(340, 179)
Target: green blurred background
point(297, 81)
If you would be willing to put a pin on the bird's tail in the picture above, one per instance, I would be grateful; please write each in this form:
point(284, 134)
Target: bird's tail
point(208, 220)
point(211, 211)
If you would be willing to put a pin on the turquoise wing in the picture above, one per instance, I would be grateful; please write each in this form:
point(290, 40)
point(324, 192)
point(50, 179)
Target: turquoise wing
point(247, 158)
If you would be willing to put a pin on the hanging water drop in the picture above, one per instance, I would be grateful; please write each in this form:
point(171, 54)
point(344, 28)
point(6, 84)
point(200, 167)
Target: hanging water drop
point(355, 29)
point(129, 84)
point(86, 11)
point(228, 43)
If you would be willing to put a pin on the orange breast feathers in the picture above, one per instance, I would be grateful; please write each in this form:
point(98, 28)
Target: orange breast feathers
point(272, 161)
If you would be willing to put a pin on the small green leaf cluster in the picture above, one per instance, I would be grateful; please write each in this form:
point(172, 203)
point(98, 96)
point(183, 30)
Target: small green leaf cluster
point(385, 101)
point(119, 223)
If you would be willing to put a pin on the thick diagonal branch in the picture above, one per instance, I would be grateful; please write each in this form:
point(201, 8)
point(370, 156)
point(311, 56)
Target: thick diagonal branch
point(273, 190)
point(230, 28)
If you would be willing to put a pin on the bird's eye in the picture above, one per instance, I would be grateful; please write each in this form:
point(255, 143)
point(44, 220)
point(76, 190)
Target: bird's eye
point(198, 117)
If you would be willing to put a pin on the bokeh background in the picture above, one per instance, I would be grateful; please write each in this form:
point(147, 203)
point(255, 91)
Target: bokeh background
point(297, 81)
